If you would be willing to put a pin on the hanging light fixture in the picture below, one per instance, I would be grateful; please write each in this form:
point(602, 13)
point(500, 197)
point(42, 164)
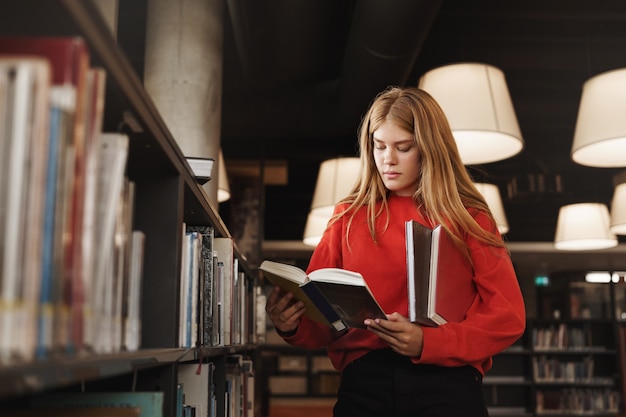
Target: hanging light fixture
point(476, 101)
point(335, 179)
point(584, 226)
point(600, 135)
point(223, 188)
point(491, 193)
point(314, 229)
point(618, 210)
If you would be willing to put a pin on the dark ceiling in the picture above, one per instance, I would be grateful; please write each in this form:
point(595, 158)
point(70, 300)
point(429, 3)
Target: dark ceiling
point(299, 74)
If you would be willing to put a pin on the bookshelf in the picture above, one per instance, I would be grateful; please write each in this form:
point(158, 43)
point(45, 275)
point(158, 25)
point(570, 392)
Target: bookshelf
point(571, 360)
point(576, 347)
point(298, 373)
point(166, 198)
point(507, 387)
point(580, 374)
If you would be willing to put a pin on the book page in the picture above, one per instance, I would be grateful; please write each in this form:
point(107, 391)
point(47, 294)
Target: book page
point(284, 271)
point(337, 276)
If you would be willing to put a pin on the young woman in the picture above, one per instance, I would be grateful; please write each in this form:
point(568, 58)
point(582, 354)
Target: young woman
point(410, 169)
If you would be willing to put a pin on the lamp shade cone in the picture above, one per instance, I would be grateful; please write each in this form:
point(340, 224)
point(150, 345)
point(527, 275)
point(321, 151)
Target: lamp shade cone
point(618, 210)
point(600, 135)
point(476, 100)
point(335, 180)
point(314, 229)
point(491, 193)
point(584, 226)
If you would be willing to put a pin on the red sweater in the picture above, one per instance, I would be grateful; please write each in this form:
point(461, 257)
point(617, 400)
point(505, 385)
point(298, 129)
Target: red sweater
point(492, 323)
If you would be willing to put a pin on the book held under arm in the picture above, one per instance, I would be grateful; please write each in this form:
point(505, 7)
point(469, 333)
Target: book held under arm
point(440, 278)
point(332, 296)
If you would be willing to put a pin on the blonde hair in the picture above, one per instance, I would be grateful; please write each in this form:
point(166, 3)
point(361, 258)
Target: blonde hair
point(445, 190)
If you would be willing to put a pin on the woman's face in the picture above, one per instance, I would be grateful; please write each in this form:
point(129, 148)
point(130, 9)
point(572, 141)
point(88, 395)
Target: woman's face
point(396, 158)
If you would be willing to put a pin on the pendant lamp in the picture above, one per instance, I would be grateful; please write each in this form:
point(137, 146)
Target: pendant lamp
point(584, 226)
point(476, 101)
point(335, 180)
point(314, 229)
point(618, 210)
point(223, 188)
point(491, 193)
point(600, 135)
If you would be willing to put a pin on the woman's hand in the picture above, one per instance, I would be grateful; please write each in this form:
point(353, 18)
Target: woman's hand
point(284, 310)
point(401, 335)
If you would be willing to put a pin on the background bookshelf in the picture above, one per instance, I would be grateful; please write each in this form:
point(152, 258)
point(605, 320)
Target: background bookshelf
point(576, 350)
point(288, 372)
point(166, 199)
point(571, 358)
point(507, 387)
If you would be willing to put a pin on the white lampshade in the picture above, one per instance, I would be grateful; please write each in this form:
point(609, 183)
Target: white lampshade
point(335, 180)
point(600, 136)
point(314, 229)
point(477, 103)
point(491, 193)
point(223, 189)
point(618, 210)
point(584, 226)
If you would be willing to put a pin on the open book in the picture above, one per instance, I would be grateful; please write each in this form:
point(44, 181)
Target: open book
point(332, 296)
point(440, 278)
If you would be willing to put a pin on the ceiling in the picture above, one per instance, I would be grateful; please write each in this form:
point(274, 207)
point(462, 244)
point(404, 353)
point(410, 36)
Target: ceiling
point(298, 75)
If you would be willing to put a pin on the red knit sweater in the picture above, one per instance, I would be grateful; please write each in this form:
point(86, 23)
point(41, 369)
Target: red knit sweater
point(494, 322)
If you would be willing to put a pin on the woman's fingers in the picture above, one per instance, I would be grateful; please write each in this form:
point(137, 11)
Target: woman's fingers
point(284, 310)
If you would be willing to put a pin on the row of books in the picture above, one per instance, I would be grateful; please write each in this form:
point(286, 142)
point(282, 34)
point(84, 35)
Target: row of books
point(583, 401)
point(198, 394)
point(547, 369)
point(218, 302)
point(562, 337)
point(67, 279)
point(93, 404)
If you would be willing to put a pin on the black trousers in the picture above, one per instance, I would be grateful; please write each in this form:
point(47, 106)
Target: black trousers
point(384, 383)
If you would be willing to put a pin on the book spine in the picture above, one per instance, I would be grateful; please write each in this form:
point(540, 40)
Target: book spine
point(324, 306)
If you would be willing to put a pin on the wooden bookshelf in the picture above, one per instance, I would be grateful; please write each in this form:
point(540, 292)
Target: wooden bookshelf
point(167, 198)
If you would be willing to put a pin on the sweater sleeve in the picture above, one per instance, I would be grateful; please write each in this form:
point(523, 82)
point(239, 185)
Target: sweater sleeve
point(493, 322)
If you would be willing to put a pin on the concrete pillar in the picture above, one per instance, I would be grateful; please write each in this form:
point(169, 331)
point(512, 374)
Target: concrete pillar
point(183, 74)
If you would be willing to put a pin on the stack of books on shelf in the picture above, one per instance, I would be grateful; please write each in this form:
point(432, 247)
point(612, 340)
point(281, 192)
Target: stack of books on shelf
point(563, 337)
point(578, 401)
point(198, 394)
point(217, 300)
point(93, 404)
point(547, 369)
point(68, 283)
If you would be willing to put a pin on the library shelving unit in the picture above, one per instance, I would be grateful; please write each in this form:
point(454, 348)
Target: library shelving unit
point(293, 372)
point(571, 359)
point(577, 348)
point(507, 387)
point(289, 372)
point(167, 198)
point(575, 367)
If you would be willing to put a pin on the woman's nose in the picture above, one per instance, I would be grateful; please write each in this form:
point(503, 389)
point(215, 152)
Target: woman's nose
point(389, 156)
